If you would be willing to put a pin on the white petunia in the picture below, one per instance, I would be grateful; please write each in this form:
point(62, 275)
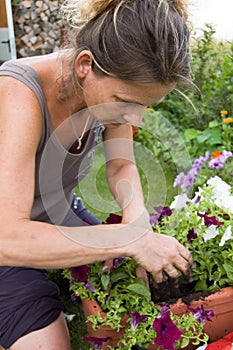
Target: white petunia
point(70, 317)
point(222, 193)
point(220, 186)
point(211, 232)
point(225, 203)
point(227, 235)
point(180, 202)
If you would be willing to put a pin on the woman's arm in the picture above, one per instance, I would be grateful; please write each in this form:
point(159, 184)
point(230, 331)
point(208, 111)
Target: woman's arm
point(122, 173)
point(157, 253)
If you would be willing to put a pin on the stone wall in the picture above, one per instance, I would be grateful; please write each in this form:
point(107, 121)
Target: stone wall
point(38, 27)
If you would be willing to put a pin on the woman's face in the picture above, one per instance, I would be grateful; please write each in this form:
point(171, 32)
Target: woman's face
point(115, 101)
point(112, 100)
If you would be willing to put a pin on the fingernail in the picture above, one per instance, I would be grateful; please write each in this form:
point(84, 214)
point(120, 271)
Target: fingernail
point(105, 268)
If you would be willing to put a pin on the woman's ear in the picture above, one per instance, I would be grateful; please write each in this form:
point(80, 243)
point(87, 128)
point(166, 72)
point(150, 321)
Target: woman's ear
point(83, 63)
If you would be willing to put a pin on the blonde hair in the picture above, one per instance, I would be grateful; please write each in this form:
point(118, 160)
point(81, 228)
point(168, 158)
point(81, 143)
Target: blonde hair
point(142, 41)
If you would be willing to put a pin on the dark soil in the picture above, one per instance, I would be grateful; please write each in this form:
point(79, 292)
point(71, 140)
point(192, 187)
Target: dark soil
point(168, 292)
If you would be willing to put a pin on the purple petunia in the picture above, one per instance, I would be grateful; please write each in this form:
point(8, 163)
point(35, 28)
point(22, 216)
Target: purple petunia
point(185, 181)
point(210, 220)
point(219, 162)
point(117, 261)
point(154, 219)
point(137, 319)
point(96, 342)
point(167, 332)
point(90, 287)
point(73, 297)
point(160, 213)
point(201, 314)
point(79, 273)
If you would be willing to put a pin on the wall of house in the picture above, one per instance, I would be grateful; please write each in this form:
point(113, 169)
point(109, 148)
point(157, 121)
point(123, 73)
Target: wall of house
point(38, 27)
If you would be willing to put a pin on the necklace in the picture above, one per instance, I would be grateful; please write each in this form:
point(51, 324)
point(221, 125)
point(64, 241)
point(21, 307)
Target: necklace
point(79, 139)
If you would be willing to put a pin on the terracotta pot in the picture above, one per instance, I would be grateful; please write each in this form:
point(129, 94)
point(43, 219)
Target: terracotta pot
point(221, 302)
point(91, 307)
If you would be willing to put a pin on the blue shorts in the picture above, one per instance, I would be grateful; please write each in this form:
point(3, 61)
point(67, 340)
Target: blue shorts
point(29, 301)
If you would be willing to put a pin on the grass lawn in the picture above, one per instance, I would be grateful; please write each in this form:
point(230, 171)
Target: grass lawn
point(157, 182)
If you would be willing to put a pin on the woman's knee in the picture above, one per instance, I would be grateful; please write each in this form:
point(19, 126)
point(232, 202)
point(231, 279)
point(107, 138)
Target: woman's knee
point(53, 337)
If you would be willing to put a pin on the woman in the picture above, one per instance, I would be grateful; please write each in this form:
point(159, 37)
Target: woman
point(124, 55)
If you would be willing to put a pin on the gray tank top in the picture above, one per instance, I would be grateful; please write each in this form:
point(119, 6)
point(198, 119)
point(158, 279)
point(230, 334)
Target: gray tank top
point(57, 171)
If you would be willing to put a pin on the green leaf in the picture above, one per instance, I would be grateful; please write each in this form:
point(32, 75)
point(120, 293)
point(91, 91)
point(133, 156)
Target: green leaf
point(201, 285)
point(229, 270)
point(184, 342)
point(139, 281)
point(139, 289)
point(204, 135)
point(215, 137)
point(105, 279)
point(213, 123)
point(119, 276)
point(190, 134)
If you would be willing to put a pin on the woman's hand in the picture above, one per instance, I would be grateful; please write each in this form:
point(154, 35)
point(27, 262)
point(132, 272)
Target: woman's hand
point(162, 255)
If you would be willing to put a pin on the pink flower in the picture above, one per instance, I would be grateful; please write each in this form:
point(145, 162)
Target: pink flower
point(167, 332)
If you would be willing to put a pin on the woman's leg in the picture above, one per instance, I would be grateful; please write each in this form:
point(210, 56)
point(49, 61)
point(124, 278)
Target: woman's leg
point(53, 337)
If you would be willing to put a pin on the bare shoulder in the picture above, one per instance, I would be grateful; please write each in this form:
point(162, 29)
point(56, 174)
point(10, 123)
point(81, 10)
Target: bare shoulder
point(18, 104)
point(21, 120)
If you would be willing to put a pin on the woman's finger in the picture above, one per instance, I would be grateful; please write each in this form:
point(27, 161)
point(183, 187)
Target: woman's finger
point(108, 265)
point(141, 273)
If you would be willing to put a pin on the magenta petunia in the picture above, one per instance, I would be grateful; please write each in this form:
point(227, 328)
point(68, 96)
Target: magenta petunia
point(167, 332)
point(210, 220)
point(79, 273)
point(163, 211)
point(113, 219)
point(192, 235)
point(137, 319)
point(96, 342)
point(201, 314)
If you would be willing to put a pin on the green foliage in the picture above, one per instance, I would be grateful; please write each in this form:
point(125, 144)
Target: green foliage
point(212, 250)
point(212, 67)
point(122, 292)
